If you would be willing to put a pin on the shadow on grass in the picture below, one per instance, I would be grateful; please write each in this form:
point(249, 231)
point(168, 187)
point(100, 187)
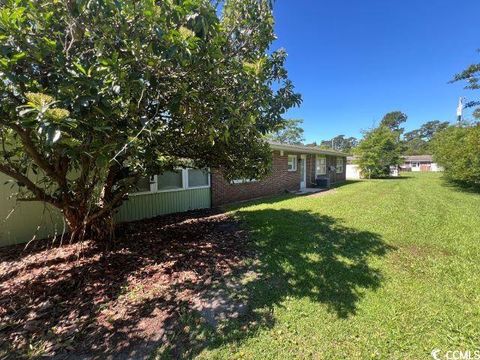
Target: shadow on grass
point(311, 255)
point(282, 197)
point(462, 186)
point(400, 177)
point(181, 284)
point(299, 254)
point(345, 183)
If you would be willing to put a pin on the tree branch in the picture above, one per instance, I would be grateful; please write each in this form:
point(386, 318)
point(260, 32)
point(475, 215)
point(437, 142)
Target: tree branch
point(37, 157)
point(39, 193)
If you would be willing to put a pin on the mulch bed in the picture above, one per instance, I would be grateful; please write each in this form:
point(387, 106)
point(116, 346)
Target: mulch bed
point(80, 301)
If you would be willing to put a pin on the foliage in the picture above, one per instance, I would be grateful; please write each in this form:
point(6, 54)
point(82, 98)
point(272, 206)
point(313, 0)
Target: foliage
point(340, 143)
point(472, 76)
point(379, 149)
point(417, 142)
point(457, 149)
point(393, 120)
point(290, 132)
point(96, 94)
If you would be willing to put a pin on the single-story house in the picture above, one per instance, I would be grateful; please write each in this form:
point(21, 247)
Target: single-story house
point(295, 167)
point(419, 163)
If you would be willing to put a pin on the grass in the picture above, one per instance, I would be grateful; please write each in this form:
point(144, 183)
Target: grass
point(374, 269)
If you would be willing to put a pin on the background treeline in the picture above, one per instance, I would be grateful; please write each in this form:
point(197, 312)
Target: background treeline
point(456, 147)
point(415, 142)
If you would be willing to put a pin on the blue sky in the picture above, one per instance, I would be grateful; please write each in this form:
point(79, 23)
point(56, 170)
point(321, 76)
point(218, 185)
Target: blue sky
point(353, 61)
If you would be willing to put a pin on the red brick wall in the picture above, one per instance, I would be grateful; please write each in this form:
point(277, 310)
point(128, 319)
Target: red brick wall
point(279, 180)
point(331, 161)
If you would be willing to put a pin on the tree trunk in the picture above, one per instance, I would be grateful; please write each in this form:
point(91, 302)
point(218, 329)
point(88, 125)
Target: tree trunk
point(84, 226)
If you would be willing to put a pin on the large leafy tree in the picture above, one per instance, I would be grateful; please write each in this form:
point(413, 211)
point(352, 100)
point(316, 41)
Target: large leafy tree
point(96, 94)
point(457, 149)
point(290, 132)
point(340, 143)
point(393, 121)
point(379, 149)
point(472, 76)
point(418, 141)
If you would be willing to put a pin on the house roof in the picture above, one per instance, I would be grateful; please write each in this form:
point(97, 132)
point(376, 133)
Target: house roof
point(418, 158)
point(304, 149)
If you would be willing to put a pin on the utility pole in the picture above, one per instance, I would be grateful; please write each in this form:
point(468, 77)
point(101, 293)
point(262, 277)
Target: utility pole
point(460, 110)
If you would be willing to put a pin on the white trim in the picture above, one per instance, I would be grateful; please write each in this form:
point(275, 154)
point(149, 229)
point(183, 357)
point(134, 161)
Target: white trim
point(303, 164)
point(317, 165)
point(196, 187)
point(165, 191)
point(243, 181)
point(340, 165)
point(303, 149)
point(154, 184)
point(295, 159)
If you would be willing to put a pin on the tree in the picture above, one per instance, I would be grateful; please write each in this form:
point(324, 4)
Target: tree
point(472, 76)
point(429, 129)
point(340, 143)
point(417, 142)
point(95, 95)
point(290, 132)
point(457, 149)
point(379, 149)
point(393, 120)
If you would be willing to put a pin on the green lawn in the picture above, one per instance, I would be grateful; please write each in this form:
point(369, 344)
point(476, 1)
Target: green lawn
point(375, 269)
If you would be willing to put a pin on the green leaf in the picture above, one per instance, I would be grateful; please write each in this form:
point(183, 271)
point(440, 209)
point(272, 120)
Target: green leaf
point(80, 68)
point(102, 161)
point(19, 56)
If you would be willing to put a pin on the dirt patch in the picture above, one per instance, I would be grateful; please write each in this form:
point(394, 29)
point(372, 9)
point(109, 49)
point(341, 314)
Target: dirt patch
point(78, 301)
point(407, 257)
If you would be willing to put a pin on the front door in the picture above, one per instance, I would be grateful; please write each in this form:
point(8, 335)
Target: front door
point(303, 171)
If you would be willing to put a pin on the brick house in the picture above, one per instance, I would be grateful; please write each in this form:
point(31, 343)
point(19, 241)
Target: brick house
point(294, 167)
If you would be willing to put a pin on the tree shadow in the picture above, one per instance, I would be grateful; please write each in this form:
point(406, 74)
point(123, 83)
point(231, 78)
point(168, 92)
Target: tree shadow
point(312, 255)
point(461, 186)
point(345, 183)
point(298, 254)
point(181, 284)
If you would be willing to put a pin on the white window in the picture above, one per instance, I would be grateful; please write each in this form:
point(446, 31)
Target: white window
point(181, 179)
point(339, 165)
point(320, 165)
point(198, 178)
point(292, 162)
point(170, 180)
point(144, 184)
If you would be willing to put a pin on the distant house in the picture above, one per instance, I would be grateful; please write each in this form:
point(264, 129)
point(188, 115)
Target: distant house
point(419, 163)
point(410, 163)
point(353, 171)
point(295, 167)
